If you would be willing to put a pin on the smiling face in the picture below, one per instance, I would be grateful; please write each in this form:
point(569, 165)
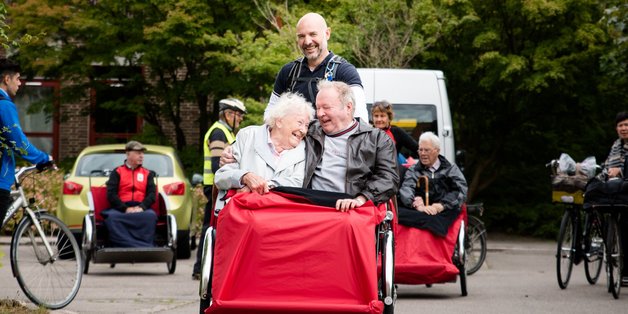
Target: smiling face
point(290, 130)
point(380, 119)
point(312, 36)
point(332, 115)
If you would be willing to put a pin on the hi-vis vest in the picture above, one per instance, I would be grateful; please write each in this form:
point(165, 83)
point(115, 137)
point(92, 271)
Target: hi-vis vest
point(208, 174)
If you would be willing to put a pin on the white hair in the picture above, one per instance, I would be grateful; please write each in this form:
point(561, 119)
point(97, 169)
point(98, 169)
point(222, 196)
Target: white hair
point(345, 94)
point(288, 104)
point(431, 137)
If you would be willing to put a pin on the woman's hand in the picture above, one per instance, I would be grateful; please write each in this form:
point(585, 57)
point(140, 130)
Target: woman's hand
point(227, 156)
point(255, 183)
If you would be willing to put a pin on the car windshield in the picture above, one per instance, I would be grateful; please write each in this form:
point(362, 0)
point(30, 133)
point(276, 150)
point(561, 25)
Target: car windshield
point(101, 164)
point(414, 118)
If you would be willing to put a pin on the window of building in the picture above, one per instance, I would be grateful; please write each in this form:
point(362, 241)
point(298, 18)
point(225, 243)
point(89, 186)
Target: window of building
point(37, 105)
point(114, 116)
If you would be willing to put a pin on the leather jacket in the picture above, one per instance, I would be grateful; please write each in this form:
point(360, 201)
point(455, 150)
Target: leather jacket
point(371, 162)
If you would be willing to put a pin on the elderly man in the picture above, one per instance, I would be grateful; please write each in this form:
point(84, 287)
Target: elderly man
point(435, 206)
point(317, 63)
point(131, 191)
point(347, 155)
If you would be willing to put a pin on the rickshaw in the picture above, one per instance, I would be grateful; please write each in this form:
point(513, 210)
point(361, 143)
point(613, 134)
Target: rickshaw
point(95, 246)
point(291, 251)
point(424, 258)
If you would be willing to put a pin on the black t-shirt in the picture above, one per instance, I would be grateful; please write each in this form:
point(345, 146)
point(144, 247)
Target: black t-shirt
point(346, 72)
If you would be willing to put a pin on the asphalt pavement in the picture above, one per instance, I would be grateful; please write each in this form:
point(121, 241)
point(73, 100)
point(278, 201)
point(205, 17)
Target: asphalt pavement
point(518, 277)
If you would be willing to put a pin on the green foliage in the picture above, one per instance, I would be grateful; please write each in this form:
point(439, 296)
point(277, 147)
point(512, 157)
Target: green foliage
point(527, 80)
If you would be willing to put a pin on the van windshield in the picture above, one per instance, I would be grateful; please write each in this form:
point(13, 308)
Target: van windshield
point(414, 118)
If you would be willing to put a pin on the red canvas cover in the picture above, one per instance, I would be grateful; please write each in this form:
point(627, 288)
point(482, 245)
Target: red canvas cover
point(273, 255)
point(424, 258)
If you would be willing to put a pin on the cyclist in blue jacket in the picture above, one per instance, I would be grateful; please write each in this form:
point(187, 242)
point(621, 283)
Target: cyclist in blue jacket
point(12, 139)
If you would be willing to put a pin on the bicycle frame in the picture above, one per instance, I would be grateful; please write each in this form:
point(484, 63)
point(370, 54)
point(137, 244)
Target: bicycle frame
point(21, 202)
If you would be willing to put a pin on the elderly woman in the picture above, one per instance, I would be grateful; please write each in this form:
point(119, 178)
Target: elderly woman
point(382, 113)
point(447, 190)
point(272, 154)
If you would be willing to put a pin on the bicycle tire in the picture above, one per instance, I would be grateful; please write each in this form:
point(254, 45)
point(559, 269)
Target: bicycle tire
point(565, 250)
point(614, 256)
point(594, 247)
point(475, 246)
point(52, 284)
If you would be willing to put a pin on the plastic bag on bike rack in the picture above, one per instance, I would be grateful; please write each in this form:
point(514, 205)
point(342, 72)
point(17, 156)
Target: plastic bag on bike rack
point(566, 165)
point(587, 167)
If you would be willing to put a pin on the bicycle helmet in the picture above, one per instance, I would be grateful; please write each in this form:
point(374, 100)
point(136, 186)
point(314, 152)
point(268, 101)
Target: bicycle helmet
point(231, 103)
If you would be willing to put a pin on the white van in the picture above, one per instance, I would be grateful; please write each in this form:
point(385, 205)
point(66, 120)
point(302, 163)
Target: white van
point(419, 100)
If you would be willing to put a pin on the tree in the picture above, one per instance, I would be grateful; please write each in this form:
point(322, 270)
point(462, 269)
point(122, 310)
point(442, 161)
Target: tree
point(393, 33)
point(184, 47)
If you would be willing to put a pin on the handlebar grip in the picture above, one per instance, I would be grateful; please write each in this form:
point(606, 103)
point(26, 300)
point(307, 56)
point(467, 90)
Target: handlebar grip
point(46, 165)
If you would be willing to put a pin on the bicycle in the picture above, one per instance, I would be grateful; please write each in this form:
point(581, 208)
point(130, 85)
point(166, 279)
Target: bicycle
point(475, 246)
point(577, 243)
point(45, 257)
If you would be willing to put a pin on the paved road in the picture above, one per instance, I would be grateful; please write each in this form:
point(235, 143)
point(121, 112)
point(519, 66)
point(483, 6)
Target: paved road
point(518, 277)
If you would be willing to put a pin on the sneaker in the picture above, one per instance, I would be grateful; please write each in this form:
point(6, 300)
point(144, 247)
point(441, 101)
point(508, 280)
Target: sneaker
point(196, 276)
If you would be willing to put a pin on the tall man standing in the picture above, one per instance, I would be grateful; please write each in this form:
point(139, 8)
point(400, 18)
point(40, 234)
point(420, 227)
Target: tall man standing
point(317, 63)
point(219, 135)
point(13, 140)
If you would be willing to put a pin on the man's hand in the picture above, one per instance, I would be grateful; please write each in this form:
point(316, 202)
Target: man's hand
point(134, 209)
point(344, 205)
point(418, 203)
point(433, 209)
point(227, 156)
point(255, 183)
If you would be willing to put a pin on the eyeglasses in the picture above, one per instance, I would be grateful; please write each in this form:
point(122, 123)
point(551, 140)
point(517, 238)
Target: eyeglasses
point(237, 113)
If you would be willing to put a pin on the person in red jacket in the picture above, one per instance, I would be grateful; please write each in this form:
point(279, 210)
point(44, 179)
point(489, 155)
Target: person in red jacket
point(131, 191)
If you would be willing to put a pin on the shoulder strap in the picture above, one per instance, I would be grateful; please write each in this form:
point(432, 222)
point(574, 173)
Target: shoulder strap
point(332, 67)
point(294, 73)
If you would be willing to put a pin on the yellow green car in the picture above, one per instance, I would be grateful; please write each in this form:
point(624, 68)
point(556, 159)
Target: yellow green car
point(92, 168)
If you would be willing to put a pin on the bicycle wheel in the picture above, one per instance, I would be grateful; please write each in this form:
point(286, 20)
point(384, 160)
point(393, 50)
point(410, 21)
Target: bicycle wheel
point(48, 281)
point(593, 247)
point(565, 250)
point(475, 246)
point(613, 256)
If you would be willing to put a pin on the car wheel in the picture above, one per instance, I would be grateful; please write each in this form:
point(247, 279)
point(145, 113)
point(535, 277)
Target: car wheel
point(183, 244)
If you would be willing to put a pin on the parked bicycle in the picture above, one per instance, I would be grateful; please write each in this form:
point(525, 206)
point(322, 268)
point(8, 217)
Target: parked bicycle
point(475, 246)
point(577, 241)
point(45, 257)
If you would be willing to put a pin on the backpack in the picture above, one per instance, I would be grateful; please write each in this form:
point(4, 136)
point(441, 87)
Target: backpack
point(295, 71)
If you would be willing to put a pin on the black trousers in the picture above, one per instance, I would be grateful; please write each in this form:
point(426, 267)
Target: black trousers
point(5, 203)
point(207, 190)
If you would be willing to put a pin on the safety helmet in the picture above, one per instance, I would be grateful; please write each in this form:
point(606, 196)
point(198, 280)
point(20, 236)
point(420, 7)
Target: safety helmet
point(231, 103)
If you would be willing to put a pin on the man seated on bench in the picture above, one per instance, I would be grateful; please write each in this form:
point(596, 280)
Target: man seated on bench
point(131, 191)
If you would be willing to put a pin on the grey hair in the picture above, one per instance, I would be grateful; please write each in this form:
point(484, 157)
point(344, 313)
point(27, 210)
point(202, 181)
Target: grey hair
point(429, 136)
point(288, 104)
point(345, 94)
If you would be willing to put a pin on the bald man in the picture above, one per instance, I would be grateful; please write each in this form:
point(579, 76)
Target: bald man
point(317, 63)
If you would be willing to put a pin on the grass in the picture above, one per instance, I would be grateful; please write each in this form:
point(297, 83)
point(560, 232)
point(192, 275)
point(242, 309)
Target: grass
point(8, 306)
